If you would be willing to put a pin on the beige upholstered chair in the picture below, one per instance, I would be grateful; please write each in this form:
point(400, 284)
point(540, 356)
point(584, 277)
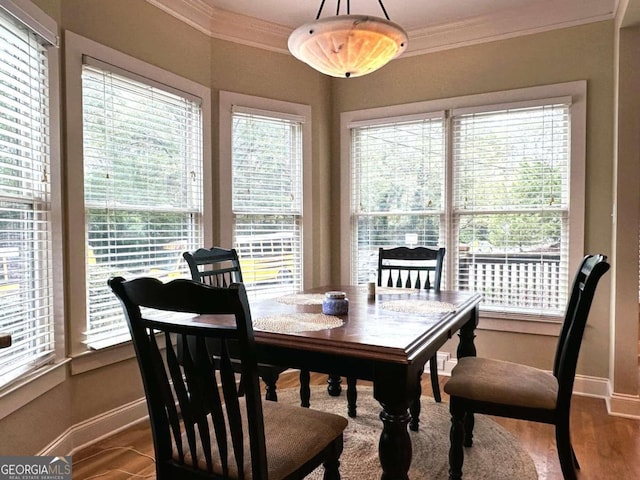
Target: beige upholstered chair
point(494, 387)
point(201, 427)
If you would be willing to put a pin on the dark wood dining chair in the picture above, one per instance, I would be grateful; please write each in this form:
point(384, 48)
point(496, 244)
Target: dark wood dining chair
point(220, 267)
point(404, 267)
point(217, 267)
point(201, 426)
point(495, 387)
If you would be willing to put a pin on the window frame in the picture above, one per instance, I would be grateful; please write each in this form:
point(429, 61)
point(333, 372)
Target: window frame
point(31, 385)
point(76, 47)
point(546, 325)
point(227, 101)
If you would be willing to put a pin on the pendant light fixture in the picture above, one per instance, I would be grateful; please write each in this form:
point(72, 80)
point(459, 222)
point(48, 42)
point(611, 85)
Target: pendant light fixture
point(348, 45)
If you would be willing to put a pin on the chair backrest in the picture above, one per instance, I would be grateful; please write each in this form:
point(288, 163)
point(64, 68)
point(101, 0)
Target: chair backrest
point(217, 267)
point(182, 391)
point(584, 286)
point(418, 267)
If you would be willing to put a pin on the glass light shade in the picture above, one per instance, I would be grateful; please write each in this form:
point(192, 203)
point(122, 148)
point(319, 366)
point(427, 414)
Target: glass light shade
point(348, 45)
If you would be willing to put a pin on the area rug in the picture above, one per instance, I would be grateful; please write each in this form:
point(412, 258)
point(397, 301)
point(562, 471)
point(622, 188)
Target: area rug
point(495, 455)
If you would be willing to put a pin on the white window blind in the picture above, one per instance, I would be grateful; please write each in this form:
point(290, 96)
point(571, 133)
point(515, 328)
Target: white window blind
point(142, 188)
point(398, 189)
point(491, 183)
point(26, 293)
point(267, 200)
point(511, 206)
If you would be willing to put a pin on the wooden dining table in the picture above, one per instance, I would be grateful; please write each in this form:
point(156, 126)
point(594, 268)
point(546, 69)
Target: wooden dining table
point(385, 338)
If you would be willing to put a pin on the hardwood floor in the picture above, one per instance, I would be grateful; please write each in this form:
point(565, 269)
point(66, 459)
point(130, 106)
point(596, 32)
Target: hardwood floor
point(607, 447)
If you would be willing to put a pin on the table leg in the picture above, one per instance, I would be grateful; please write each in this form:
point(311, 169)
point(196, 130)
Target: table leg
point(395, 444)
point(334, 386)
point(466, 346)
point(393, 388)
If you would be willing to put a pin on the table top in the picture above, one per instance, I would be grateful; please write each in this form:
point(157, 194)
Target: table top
point(370, 328)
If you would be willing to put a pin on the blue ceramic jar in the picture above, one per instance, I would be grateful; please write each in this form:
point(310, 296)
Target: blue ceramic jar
point(335, 303)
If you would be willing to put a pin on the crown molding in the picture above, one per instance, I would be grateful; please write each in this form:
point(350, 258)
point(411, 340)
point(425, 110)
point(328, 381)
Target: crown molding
point(504, 24)
point(509, 24)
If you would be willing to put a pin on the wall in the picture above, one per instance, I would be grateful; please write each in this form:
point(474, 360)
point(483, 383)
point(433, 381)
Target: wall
point(578, 53)
point(143, 31)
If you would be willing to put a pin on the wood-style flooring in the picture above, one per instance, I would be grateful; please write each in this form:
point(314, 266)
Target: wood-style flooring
point(607, 447)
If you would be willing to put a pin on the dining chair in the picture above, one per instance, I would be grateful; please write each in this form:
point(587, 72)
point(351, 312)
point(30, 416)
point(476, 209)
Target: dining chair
point(404, 267)
point(420, 268)
point(217, 267)
point(201, 426)
point(506, 389)
point(220, 267)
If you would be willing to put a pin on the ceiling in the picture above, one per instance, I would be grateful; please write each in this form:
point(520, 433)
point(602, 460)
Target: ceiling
point(431, 24)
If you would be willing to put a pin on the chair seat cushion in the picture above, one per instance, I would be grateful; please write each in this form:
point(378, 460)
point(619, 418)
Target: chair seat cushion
point(294, 435)
point(500, 382)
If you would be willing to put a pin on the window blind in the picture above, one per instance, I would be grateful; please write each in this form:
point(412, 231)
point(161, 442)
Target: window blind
point(142, 189)
point(267, 200)
point(398, 178)
point(511, 206)
point(26, 294)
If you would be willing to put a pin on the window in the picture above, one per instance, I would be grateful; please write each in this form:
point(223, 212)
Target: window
point(495, 183)
point(511, 205)
point(398, 188)
point(267, 157)
point(142, 187)
point(27, 150)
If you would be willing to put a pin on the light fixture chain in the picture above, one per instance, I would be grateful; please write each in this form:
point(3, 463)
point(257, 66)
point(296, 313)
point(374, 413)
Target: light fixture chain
point(384, 10)
point(320, 10)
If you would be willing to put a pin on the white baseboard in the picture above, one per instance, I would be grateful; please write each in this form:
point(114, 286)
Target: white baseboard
point(621, 405)
point(95, 429)
point(101, 426)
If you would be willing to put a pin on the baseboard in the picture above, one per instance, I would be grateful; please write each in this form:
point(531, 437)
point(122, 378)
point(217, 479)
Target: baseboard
point(621, 405)
point(101, 426)
point(94, 429)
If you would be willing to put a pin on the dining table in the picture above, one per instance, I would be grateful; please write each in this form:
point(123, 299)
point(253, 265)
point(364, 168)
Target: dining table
point(385, 337)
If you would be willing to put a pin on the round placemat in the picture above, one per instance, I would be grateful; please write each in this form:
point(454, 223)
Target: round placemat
point(418, 306)
point(297, 322)
point(396, 291)
point(302, 299)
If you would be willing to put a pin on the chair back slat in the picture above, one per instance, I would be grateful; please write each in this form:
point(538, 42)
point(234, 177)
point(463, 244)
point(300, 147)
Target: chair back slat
point(593, 267)
point(173, 417)
point(193, 424)
point(411, 267)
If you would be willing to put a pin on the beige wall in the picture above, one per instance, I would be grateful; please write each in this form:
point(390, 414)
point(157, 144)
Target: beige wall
point(143, 31)
point(624, 325)
point(579, 53)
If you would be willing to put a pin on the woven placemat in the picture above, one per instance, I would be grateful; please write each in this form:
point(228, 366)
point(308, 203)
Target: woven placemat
point(396, 291)
point(418, 306)
point(297, 322)
point(302, 299)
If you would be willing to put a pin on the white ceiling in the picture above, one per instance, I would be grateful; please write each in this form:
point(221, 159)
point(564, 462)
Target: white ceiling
point(431, 24)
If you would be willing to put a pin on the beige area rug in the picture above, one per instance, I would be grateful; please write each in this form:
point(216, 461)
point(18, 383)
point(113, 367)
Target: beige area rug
point(495, 455)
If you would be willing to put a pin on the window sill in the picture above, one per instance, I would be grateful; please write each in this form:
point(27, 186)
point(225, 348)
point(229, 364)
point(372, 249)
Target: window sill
point(108, 354)
point(28, 388)
point(94, 359)
point(533, 325)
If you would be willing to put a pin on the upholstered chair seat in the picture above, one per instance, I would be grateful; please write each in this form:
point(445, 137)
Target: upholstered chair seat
point(489, 380)
point(308, 432)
